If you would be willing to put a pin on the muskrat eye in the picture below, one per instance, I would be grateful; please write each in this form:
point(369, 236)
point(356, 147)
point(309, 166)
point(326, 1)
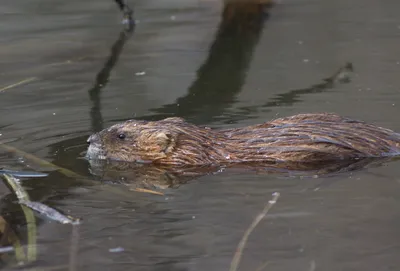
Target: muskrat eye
point(121, 136)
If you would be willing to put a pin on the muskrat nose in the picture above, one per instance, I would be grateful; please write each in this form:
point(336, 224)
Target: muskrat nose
point(93, 139)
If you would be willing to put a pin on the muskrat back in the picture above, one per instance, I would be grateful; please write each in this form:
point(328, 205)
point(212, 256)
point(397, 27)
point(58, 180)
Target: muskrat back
point(300, 138)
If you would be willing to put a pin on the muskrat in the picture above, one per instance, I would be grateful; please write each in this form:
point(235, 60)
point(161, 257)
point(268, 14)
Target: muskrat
point(303, 138)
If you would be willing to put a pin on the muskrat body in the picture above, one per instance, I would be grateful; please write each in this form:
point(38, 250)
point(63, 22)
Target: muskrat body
point(303, 138)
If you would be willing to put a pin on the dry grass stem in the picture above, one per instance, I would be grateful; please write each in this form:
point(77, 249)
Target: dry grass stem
point(27, 80)
point(239, 251)
point(144, 190)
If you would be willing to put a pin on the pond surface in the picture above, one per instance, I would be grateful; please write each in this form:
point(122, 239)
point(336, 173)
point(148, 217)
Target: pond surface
point(67, 69)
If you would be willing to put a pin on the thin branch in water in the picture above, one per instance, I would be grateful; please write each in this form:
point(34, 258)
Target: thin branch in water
point(50, 213)
point(144, 190)
point(239, 251)
point(23, 174)
point(64, 171)
point(16, 187)
point(22, 195)
point(73, 249)
point(28, 206)
point(40, 162)
point(68, 61)
point(6, 249)
point(27, 80)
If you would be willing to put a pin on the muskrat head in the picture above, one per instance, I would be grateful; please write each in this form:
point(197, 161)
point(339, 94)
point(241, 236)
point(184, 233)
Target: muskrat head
point(134, 141)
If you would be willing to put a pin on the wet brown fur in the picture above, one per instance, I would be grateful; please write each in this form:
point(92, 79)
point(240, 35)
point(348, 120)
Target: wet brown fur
point(300, 138)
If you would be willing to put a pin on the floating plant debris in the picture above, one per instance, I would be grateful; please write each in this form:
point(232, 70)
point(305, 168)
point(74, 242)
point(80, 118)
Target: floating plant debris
point(50, 213)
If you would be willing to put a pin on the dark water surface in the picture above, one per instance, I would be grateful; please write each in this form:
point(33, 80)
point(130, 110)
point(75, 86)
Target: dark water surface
point(186, 59)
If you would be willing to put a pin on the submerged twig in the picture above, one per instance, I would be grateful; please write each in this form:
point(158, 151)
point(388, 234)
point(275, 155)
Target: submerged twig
point(16, 187)
point(18, 83)
point(239, 251)
point(21, 194)
point(23, 174)
point(6, 249)
point(62, 170)
point(73, 249)
point(49, 212)
point(27, 207)
point(9, 235)
point(40, 162)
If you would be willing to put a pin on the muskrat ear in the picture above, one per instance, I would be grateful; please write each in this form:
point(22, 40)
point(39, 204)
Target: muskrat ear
point(166, 141)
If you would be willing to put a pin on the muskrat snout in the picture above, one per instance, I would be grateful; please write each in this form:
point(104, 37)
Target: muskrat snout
point(95, 150)
point(95, 138)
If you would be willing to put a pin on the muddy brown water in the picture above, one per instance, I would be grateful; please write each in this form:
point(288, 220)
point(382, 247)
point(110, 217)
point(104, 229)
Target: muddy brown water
point(183, 59)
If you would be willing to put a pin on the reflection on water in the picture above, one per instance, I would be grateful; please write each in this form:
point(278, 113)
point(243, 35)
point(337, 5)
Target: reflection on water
point(223, 73)
point(127, 12)
point(163, 176)
point(103, 76)
point(346, 219)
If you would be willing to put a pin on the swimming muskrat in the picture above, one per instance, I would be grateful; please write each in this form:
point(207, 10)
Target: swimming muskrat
point(303, 138)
